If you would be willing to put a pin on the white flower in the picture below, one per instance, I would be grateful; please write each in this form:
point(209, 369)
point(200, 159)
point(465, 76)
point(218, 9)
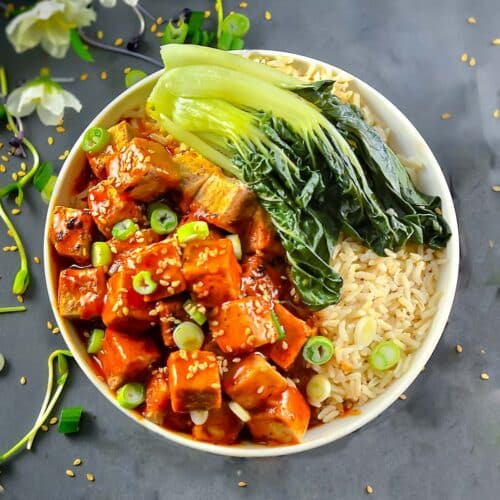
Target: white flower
point(112, 3)
point(49, 23)
point(46, 96)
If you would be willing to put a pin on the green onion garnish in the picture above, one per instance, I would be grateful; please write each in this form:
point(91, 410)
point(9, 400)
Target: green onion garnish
point(188, 336)
point(236, 242)
point(384, 356)
point(124, 229)
point(143, 283)
point(134, 76)
point(196, 230)
point(175, 33)
point(196, 20)
point(236, 24)
point(48, 188)
point(130, 395)
point(163, 219)
point(318, 350)
point(95, 140)
point(43, 175)
point(95, 341)
point(237, 44)
point(69, 421)
point(225, 40)
point(195, 311)
point(12, 309)
point(278, 325)
point(100, 254)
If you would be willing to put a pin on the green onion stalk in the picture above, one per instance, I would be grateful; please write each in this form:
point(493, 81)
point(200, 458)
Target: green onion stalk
point(49, 401)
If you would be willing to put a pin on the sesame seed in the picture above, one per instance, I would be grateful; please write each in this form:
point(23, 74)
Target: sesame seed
point(53, 421)
point(154, 27)
point(50, 140)
point(90, 477)
point(472, 61)
point(128, 69)
point(64, 155)
point(495, 188)
point(243, 5)
point(55, 330)
point(118, 42)
point(50, 325)
point(495, 41)
point(445, 116)
point(402, 397)
point(23, 380)
point(60, 130)
point(369, 489)
point(44, 428)
point(242, 484)
point(84, 76)
point(14, 176)
point(21, 173)
point(36, 259)
point(491, 243)
point(207, 14)
point(267, 15)
point(496, 113)
point(484, 376)
point(70, 473)
point(464, 57)
point(19, 298)
point(100, 35)
point(5, 158)
point(77, 462)
point(15, 211)
point(471, 20)
point(159, 20)
point(459, 348)
point(3, 168)
point(104, 75)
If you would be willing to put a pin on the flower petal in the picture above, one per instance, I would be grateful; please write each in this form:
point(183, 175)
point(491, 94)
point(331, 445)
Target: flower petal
point(14, 105)
point(53, 99)
point(108, 3)
point(70, 101)
point(132, 3)
point(47, 117)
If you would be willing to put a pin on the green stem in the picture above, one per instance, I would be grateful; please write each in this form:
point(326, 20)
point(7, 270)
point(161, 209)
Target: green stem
point(12, 309)
point(220, 17)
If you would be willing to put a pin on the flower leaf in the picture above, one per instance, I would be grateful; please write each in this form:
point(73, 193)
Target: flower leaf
point(79, 47)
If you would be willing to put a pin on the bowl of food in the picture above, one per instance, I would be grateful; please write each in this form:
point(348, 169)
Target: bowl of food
point(251, 254)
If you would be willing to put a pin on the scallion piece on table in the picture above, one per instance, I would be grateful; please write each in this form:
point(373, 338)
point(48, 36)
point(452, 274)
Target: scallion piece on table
point(237, 44)
point(196, 20)
point(278, 325)
point(43, 175)
point(384, 356)
point(95, 140)
point(175, 33)
point(236, 242)
point(195, 311)
point(130, 395)
point(124, 229)
point(95, 340)
point(143, 283)
point(236, 24)
point(188, 336)
point(69, 421)
point(225, 40)
point(163, 219)
point(196, 230)
point(318, 350)
point(100, 254)
point(2, 361)
point(46, 192)
point(134, 76)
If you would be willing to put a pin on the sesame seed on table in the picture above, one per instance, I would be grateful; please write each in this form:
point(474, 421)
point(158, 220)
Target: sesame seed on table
point(438, 441)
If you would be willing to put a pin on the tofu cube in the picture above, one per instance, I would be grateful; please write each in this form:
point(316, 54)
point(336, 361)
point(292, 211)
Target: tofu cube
point(222, 426)
point(224, 202)
point(123, 307)
point(252, 381)
point(259, 278)
point(260, 235)
point(121, 134)
point(125, 358)
point(71, 233)
point(284, 420)
point(243, 325)
point(81, 293)
point(170, 314)
point(285, 351)
point(108, 206)
point(157, 397)
point(212, 271)
point(194, 381)
point(145, 170)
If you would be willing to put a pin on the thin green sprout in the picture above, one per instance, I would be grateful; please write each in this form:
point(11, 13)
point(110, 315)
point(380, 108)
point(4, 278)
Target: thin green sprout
point(12, 309)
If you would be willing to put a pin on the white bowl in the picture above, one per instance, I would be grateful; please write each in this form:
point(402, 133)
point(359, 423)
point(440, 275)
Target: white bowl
point(409, 143)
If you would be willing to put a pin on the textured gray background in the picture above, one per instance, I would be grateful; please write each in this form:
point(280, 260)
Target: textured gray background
point(444, 440)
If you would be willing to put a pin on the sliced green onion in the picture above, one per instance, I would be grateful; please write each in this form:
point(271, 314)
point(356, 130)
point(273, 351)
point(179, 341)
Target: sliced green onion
point(365, 331)
point(124, 229)
point(188, 336)
point(239, 411)
point(175, 34)
point(2, 361)
point(196, 20)
point(384, 356)
point(318, 350)
point(237, 44)
point(278, 325)
point(95, 139)
point(143, 283)
point(100, 254)
point(236, 24)
point(163, 219)
point(196, 230)
point(95, 341)
point(130, 395)
point(198, 417)
point(69, 421)
point(225, 40)
point(236, 242)
point(47, 190)
point(43, 175)
point(318, 388)
point(12, 309)
point(195, 311)
point(206, 37)
point(79, 48)
point(134, 76)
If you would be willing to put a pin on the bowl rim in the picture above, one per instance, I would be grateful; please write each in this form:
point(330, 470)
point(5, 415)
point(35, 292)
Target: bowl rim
point(379, 403)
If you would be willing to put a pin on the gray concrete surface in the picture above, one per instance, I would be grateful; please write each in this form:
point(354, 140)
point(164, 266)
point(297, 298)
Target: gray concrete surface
point(443, 442)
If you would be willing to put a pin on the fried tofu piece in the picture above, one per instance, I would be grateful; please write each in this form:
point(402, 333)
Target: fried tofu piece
point(224, 202)
point(126, 358)
point(284, 420)
point(71, 233)
point(108, 207)
point(81, 293)
point(170, 313)
point(211, 271)
point(243, 325)
point(260, 236)
point(145, 170)
point(262, 279)
point(222, 426)
point(121, 134)
point(252, 381)
point(157, 397)
point(194, 381)
point(123, 307)
point(285, 351)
